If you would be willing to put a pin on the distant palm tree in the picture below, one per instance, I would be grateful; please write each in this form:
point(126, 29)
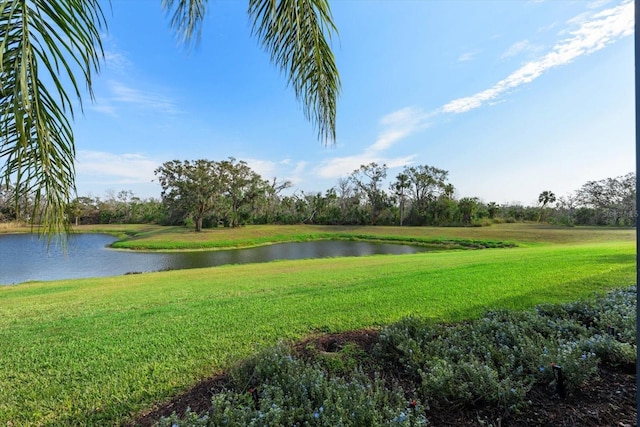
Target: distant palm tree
point(48, 46)
point(493, 209)
point(544, 199)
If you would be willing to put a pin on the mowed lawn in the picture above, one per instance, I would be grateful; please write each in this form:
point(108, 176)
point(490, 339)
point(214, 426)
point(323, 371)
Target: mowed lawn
point(98, 351)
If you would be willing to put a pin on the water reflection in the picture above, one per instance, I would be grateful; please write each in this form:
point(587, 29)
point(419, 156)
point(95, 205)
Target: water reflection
point(23, 257)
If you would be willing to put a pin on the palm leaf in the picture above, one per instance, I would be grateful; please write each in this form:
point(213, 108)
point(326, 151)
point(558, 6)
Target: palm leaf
point(296, 33)
point(43, 44)
point(293, 32)
point(186, 17)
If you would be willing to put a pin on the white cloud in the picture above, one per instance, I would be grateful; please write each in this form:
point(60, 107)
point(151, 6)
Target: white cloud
point(149, 100)
point(594, 34)
point(267, 169)
point(578, 20)
point(119, 94)
point(296, 176)
point(283, 170)
point(524, 46)
point(395, 126)
point(547, 28)
point(116, 60)
point(398, 125)
point(116, 168)
point(468, 56)
point(597, 4)
point(104, 107)
point(343, 166)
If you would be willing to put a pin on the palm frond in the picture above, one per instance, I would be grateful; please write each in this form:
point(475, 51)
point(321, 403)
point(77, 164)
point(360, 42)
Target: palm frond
point(296, 33)
point(43, 44)
point(186, 18)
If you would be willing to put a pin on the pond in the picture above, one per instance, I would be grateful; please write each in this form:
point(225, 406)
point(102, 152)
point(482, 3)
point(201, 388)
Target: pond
point(25, 258)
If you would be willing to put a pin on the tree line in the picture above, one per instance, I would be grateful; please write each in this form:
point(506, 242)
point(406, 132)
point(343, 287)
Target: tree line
point(205, 193)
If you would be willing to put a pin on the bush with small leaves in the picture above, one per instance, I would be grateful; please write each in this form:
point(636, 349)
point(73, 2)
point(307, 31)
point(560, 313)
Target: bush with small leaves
point(492, 361)
point(496, 359)
point(281, 390)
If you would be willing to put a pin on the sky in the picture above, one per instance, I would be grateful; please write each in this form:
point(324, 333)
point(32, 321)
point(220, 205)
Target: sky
point(511, 97)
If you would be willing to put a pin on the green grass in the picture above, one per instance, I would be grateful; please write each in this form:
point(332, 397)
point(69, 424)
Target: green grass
point(97, 351)
point(179, 238)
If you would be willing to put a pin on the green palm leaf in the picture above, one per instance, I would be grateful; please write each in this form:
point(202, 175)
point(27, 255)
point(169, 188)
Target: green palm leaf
point(296, 33)
point(44, 44)
point(293, 32)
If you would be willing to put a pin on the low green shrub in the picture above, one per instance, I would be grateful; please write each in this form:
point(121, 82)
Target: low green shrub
point(489, 362)
point(276, 389)
point(496, 359)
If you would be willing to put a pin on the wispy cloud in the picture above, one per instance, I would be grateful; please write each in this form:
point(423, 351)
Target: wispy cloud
point(343, 166)
point(399, 125)
point(267, 169)
point(597, 4)
point(299, 170)
point(593, 34)
point(524, 46)
point(394, 127)
point(116, 60)
point(150, 100)
point(119, 95)
point(283, 170)
point(468, 56)
point(104, 107)
point(116, 168)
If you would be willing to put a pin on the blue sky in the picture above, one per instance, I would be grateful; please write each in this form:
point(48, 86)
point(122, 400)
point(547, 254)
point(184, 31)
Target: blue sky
point(511, 97)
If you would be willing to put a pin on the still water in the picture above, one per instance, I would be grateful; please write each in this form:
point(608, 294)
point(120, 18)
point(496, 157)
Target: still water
point(24, 258)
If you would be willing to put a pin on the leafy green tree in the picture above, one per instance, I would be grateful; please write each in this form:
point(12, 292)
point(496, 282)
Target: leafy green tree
point(467, 206)
point(331, 214)
point(47, 46)
point(426, 185)
point(241, 187)
point(368, 179)
point(190, 189)
point(443, 210)
point(74, 209)
point(84, 210)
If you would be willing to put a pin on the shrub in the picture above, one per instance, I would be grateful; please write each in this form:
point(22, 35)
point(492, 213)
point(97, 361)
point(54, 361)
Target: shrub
point(492, 361)
point(496, 359)
point(276, 389)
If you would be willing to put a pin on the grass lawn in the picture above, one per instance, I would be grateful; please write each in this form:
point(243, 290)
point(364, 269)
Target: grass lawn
point(97, 351)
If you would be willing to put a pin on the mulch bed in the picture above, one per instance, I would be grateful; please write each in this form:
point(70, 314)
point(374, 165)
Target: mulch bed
point(608, 401)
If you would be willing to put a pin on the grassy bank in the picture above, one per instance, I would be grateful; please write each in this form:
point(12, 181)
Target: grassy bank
point(96, 351)
point(179, 238)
